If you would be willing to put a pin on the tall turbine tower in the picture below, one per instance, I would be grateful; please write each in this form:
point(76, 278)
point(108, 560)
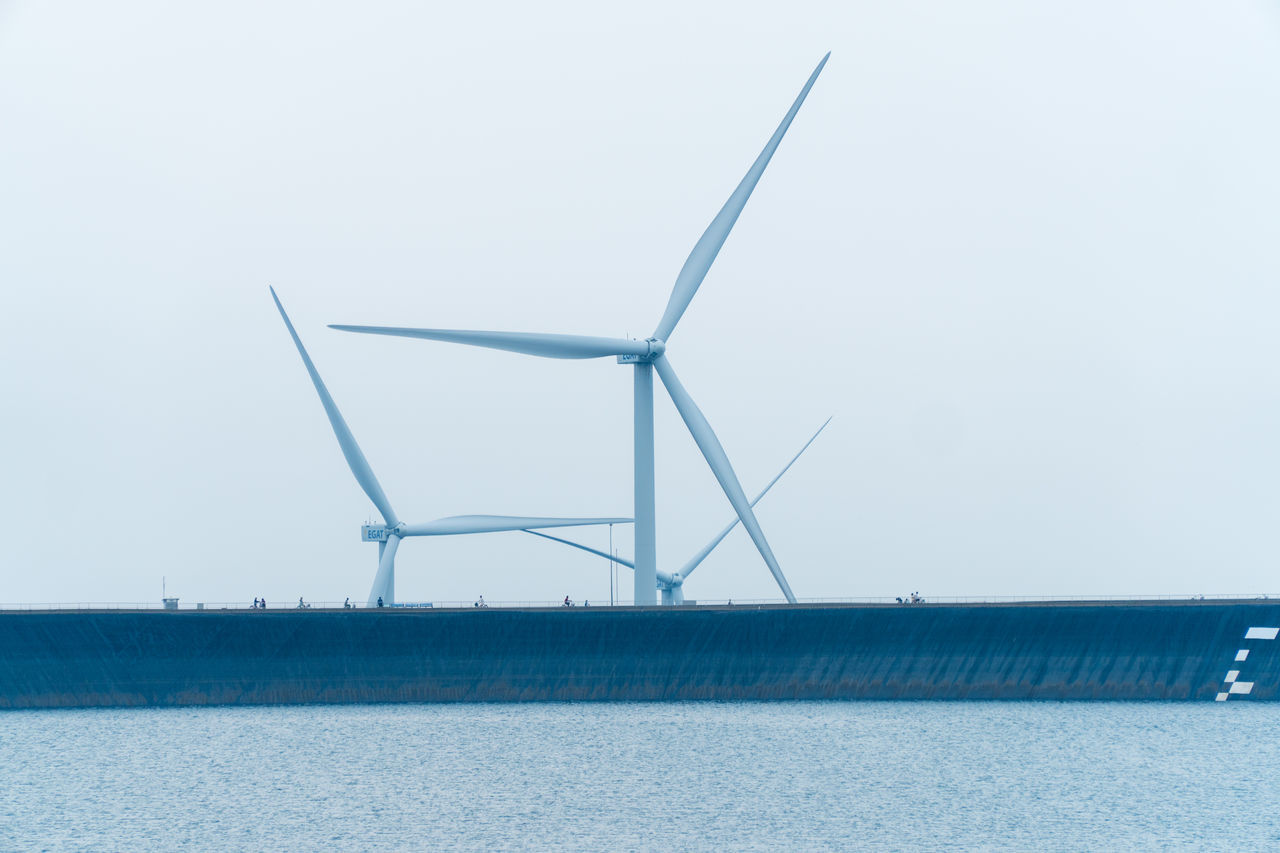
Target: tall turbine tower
point(647, 356)
point(389, 534)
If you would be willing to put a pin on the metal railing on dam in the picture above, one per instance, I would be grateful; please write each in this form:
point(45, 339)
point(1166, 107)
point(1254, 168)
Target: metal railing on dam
point(894, 601)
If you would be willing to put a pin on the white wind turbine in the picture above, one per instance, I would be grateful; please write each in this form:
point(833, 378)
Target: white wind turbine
point(672, 583)
point(647, 356)
point(389, 534)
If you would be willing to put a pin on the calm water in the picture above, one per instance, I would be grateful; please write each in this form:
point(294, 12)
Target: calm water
point(722, 777)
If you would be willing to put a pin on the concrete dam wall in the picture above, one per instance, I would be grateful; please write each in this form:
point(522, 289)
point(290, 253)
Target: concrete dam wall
point(1191, 650)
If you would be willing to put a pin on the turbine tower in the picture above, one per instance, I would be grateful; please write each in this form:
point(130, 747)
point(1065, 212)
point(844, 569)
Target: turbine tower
point(671, 584)
point(648, 356)
point(389, 534)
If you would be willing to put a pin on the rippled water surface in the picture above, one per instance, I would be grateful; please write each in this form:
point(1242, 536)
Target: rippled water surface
point(699, 776)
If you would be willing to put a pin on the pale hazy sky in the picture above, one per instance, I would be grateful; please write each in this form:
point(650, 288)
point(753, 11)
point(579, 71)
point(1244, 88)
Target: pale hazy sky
point(1027, 255)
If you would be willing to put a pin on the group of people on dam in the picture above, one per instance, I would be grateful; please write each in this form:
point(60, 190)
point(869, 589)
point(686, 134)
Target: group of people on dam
point(261, 603)
point(913, 598)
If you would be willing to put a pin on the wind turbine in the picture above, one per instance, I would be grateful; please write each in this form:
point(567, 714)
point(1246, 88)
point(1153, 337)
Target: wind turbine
point(389, 534)
point(647, 356)
point(672, 583)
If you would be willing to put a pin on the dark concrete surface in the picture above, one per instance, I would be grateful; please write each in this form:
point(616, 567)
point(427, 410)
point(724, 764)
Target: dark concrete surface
point(1085, 651)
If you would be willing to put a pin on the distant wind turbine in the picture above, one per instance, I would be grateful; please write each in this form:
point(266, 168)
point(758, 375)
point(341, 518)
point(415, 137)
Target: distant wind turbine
point(389, 534)
point(647, 356)
point(672, 583)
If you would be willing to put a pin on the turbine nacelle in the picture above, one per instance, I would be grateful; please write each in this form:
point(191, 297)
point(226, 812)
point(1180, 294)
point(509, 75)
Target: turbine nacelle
point(656, 348)
point(672, 593)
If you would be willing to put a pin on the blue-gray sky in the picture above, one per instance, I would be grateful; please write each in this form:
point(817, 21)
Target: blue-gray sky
point(1025, 253)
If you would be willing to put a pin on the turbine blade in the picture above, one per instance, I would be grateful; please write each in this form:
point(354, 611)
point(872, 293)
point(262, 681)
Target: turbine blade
point(581, 547)
point(459, 524)
point(719, 462)
point(696, 559)
point(663, 577)
point(350, 449)
point(529, 343)
point(704, 253)
point(384, 583)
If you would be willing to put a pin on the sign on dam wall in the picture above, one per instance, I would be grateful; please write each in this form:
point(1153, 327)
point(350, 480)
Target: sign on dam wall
point(1184, 651)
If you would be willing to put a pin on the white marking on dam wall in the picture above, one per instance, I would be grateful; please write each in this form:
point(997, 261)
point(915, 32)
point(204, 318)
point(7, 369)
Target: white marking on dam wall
point(1232, 682)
